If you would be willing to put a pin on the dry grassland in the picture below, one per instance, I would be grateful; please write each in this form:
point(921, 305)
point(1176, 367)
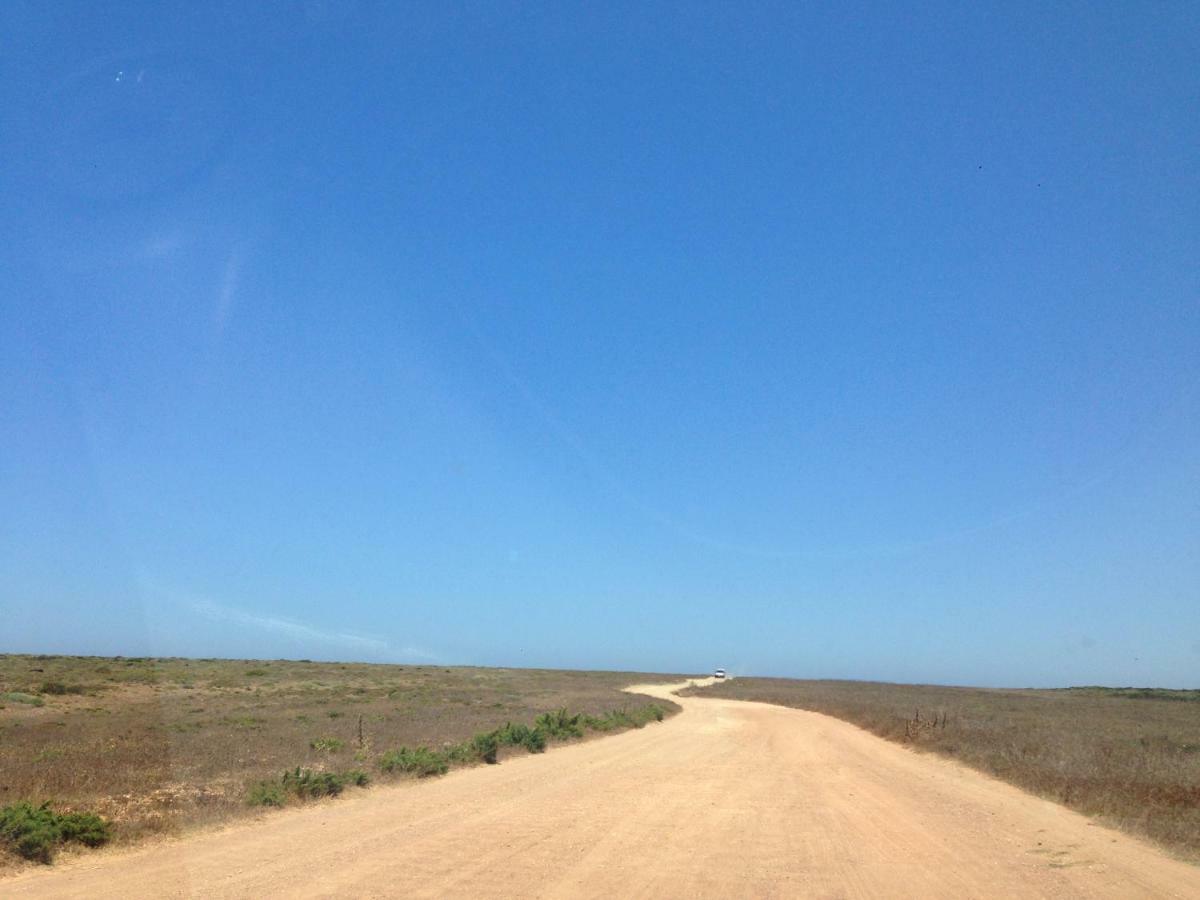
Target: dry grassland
point(159, 745)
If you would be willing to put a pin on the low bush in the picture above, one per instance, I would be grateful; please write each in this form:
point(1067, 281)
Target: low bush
point(266, 793)
point(623, 718)
point(522, 736)
point(35, 831)
point(484, 747)
point(327, 744)
point(59, 689)
point(534, 742)
point(420, 761)
point(307, 784)
point(559, 724)
point(304, 784)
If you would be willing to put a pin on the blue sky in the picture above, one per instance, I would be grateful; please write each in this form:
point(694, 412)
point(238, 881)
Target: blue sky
point(823, 341)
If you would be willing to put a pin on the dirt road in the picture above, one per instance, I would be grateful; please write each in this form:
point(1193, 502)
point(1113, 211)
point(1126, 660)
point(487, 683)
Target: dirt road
point(727, 799)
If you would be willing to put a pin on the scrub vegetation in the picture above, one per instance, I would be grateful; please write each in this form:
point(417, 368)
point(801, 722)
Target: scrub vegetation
point(157, 746)
point(485, 747)
point(1128, 756)
point(34, 832)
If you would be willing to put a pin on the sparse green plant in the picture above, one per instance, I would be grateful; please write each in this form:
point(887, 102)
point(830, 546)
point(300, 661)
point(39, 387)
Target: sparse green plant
point(20, 697)
point(327, 744)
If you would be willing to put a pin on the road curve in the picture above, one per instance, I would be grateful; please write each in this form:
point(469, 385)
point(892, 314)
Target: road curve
point(727, 799)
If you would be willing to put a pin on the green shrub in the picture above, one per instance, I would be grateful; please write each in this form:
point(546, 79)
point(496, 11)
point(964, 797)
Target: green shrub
point(534, 742)
point(307, 784)
point(484, 747)
point(559, 724)
point(513, 735)
point(421, 762)
point(522, 736)
point(304, 784)
point(266, 793)
point(327, 744)
point(623, 718)
point(84, 828)
point(35, 831)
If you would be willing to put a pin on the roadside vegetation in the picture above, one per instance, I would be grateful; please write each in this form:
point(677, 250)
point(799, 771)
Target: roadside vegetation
point(1128, 756)
point(485, 747)
point(35, 832)
point(153, 746)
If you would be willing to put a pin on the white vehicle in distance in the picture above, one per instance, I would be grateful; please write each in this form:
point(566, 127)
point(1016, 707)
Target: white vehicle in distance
point(719, 674)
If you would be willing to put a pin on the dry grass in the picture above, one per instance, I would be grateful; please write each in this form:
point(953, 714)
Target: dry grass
point(159, 745)
point(1130, 757)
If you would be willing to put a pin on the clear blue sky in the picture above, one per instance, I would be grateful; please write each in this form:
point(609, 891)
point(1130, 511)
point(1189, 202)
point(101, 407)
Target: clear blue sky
point(800, 339)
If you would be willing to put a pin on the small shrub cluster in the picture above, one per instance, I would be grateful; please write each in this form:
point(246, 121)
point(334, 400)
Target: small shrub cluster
point(266, 793)
point(304, 784)
point(531, 739)
point(621, 718)
point(327, 744)
point(59, 689)
point(35, 831)
point(421, 762)
point(559, 724)
point(485, 746)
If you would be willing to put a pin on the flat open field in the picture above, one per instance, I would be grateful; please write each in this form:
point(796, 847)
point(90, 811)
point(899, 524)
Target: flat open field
point(159, 745)
point(1130, 757)
point(726, 799)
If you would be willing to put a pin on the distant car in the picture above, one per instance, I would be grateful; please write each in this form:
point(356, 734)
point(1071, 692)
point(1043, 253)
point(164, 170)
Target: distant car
point(719, 674)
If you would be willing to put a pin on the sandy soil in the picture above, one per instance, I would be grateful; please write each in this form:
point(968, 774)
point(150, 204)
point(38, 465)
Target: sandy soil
point(727, 799)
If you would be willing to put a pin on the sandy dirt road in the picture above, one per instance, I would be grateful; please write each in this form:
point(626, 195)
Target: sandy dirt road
point(727, 799)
